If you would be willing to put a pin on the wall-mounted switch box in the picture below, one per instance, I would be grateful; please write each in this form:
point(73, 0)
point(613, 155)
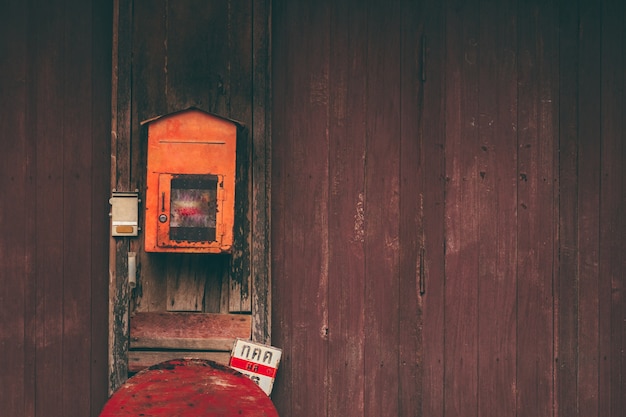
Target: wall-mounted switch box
point(124, 213)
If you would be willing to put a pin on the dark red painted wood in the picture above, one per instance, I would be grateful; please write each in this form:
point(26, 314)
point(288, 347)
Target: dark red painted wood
point(16, 244)
point(281, 149)
point(48, 129)
point(537, 178)
point(588, 201)
point(100, 122)
point(411, 230)
point(461, 226)
point(611, 277)
point(498, 286)
point(77, 184)
point(497, 209)
point(567, 276)
point(56, 128)
point(186, 388)
point(434, 179)
point(589, 84)
point(346, 239)
point(307, 221)
point(302, 156)
point(382, 208)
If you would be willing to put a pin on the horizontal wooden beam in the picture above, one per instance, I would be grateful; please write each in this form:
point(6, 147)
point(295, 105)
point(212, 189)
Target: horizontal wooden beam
point(188, 331)
point(141, 359)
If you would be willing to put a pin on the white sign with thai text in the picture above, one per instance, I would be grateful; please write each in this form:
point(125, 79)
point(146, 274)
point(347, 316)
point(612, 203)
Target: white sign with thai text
point(257, 361)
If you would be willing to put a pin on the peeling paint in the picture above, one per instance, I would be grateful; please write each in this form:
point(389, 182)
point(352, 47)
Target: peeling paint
point(359, 220)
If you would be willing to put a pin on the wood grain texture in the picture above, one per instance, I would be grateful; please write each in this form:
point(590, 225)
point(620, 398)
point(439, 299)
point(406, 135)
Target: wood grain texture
point(382, 208)
point(589, 86)
point(120, 180)
point(306, 240)
point(568, 273)
point(200, 331)
point(434, 179)
point(548, 199)
point(77, 184)
point(241, 50)
point(261, 134)
point(612, 227)
point(185, 283)
point(50, 148)
point(497, 208)
point(101, 184)
point(282, 332)
point(461, 225)
point(17, 310)
point(411, 190)
point(536, 190)
point(346, 234)
point(53, 172)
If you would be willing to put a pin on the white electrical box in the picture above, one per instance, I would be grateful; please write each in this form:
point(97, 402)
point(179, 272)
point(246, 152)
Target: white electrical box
point(124, 213)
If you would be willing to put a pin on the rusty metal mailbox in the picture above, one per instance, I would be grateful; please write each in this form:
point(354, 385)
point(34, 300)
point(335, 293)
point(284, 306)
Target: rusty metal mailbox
point(190, 195)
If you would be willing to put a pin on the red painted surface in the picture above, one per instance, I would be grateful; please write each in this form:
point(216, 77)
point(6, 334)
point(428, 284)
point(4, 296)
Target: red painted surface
point(189, 387)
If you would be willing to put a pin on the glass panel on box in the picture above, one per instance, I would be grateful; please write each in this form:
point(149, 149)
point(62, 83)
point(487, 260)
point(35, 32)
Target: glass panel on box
point(193, 208)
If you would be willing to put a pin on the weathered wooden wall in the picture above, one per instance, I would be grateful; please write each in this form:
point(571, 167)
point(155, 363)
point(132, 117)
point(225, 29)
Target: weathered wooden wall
point(170, 56)
point(55, 89)
point(447, 238)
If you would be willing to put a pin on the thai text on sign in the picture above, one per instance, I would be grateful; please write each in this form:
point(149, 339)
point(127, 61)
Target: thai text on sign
point(257, 361)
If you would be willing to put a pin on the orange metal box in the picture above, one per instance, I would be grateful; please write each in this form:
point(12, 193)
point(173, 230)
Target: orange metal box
point(190, 195)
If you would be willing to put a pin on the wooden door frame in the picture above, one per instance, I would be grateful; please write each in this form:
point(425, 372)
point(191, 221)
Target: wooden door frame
point(260, 169)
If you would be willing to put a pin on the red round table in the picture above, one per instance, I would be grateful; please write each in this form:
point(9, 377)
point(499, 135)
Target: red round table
point(186, 388)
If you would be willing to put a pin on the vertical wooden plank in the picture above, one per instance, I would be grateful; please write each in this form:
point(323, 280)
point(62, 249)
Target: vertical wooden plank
point(461, 227)
point(48, 105)
point(346, 222)
point(260, 268)
point(77, 210)
point(150, 62)
point(589, 168)
point(381, 208)
point(100, 188)
point(567, 280)
point(620, 241)
point(196, 68)
point(185, 283)
point(215, 295)
point(434, 140)
point(619, 297)
point(300, 165)
point(239, 39)
point(147, 39)
point(537, 130)
point(119, 294)
point(282, 62)
point(16, 241)
point(411, 233)
point(307, 244)
point(149, 99)
point(26, 206)
point(497, 208)
point(611, 276)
